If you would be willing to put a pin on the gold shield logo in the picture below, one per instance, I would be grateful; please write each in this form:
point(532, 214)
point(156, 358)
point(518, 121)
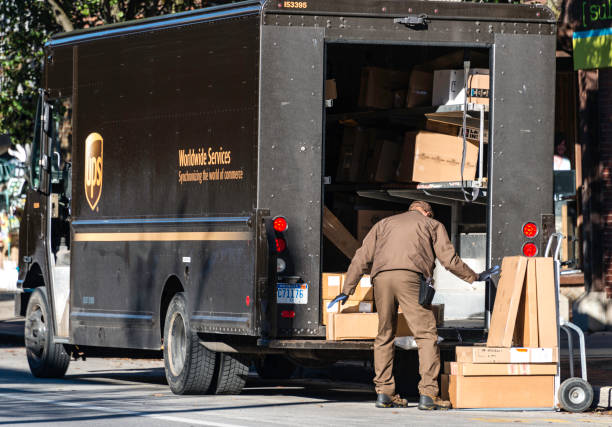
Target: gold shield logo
point(93, 169)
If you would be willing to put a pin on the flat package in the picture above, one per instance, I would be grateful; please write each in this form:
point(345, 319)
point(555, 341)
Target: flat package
point(499, 391)
point(435, 157)
point(506, 355)
point(359, 326)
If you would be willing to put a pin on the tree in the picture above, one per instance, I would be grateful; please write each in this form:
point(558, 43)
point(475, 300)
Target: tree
point(25, 26)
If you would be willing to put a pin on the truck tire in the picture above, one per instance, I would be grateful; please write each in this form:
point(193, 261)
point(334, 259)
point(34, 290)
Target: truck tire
point(189, 365)
point(46, 359)
point(274, 367)
point(231, 374)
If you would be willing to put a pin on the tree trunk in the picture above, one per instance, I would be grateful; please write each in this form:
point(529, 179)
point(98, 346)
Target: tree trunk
point(60, 16)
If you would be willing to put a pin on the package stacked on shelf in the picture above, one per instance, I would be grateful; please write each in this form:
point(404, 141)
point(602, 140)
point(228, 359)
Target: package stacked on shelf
point(517, 367)
point(357, 318)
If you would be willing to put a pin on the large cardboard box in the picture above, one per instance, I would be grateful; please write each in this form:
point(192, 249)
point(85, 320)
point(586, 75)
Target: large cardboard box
point(367, 218)
point(359, 326)
point(488, 369)
point(330, 89)
point(419, 89)
point(378, 84)
point(508, 391)
point(349, 307)
point(506, 355)
point(448, 87)
point(354, 154)
point(435, 157)
point(546, 302)
point(384, 160)
point(364, 290)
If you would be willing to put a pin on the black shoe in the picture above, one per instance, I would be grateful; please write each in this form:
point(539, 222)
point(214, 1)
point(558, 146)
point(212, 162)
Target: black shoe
point(386, 401)
point(429, 403)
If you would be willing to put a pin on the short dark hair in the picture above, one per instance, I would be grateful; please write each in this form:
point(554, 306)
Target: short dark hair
point(421, 204)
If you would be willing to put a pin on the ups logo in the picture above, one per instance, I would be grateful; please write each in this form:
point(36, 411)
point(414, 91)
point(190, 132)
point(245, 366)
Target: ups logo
point(93, 169)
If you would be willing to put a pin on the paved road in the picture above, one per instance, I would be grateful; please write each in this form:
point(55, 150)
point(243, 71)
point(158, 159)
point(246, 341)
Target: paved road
point(133, 392)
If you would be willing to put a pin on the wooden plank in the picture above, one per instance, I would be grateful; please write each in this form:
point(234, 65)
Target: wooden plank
point(507, 301)
point(338, 234)
point(547, 304)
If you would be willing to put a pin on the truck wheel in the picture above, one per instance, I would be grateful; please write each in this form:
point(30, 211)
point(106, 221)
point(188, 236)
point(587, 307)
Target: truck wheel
point(575, 395)
point(232, 370)
point(46, 359)
point(189, 365)
point(274, 367)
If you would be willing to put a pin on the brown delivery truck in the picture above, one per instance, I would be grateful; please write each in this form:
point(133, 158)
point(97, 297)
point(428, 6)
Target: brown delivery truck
point(182, 166)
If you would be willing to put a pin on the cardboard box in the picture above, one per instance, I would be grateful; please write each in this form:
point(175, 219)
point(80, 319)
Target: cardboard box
point(419, 89)
point(435, 157)
point(354, 154)
point(546, 302)
point(359, 326)
point(349, 307)
point(384, 160)
point(331, 285)
point(367, 218)
point(506, 355)
point(453, 129)
point(524, 391)
point(330, 89)
point(526, 330)
point(507, 299)
point(448, 87)
point(364, 290)
point(491, 369)
point(377, 86)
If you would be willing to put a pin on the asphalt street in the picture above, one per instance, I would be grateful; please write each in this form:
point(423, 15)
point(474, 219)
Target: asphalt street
point(132, 392)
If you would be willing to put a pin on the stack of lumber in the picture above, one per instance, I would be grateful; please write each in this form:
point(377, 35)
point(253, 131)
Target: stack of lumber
point(517, 367)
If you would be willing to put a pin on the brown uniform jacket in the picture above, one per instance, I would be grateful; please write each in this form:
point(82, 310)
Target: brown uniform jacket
point(408, 241)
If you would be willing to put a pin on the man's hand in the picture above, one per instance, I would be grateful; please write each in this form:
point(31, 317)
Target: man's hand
point(486, 275)
point(340, 298)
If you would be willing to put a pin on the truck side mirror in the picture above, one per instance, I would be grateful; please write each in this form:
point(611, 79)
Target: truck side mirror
point(46, 118)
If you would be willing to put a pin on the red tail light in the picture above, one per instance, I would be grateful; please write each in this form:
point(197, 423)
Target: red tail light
point(530, 230)
point(530, 249)
point(288, 314)
point(280, 224)
point(281, 245)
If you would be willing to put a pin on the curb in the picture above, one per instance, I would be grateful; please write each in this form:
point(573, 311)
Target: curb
point(603, 397)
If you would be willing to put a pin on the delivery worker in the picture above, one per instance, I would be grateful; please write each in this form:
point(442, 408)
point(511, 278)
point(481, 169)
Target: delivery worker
point(398, 252)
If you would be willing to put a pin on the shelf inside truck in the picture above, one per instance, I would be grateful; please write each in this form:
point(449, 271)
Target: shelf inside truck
point(444, 193)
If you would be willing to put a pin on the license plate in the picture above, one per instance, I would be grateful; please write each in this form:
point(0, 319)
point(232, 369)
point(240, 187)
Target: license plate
point(292, 293)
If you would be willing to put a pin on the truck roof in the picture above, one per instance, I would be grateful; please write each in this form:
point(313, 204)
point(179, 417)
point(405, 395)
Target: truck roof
point(431, 10)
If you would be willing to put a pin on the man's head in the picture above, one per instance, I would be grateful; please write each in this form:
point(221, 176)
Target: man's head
point(422, 207)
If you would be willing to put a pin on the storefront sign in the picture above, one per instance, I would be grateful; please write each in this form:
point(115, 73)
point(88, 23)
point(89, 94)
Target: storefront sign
point(592, 40)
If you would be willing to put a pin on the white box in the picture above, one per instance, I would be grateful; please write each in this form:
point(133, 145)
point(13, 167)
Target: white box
point(448, 86)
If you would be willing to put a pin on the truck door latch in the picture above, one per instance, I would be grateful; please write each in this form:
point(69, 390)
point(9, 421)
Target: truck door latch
point(416, 22)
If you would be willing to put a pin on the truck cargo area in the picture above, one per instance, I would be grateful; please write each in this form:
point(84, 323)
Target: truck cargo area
point(380, 122)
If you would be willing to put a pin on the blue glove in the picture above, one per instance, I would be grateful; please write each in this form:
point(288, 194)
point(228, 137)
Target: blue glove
point(486, 275)
point(340, 298)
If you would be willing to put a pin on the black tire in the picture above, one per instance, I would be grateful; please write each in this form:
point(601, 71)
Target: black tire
point(231, 373)
point(575, 395)
point(46, 360)
point(274, 367)
point(189, 365)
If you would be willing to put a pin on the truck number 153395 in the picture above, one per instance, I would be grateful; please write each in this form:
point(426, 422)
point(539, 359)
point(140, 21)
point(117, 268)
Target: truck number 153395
point(295, 4)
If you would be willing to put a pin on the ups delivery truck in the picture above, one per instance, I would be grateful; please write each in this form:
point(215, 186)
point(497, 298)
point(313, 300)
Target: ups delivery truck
point(182, 166)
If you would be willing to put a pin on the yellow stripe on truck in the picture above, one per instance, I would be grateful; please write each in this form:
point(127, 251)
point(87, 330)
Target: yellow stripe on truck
point(162, 237)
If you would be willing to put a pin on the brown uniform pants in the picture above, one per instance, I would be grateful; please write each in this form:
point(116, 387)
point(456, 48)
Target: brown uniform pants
point(402, 286)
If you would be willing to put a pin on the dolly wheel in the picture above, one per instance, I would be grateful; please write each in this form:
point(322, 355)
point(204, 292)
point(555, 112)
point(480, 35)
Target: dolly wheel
point(575, 395)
